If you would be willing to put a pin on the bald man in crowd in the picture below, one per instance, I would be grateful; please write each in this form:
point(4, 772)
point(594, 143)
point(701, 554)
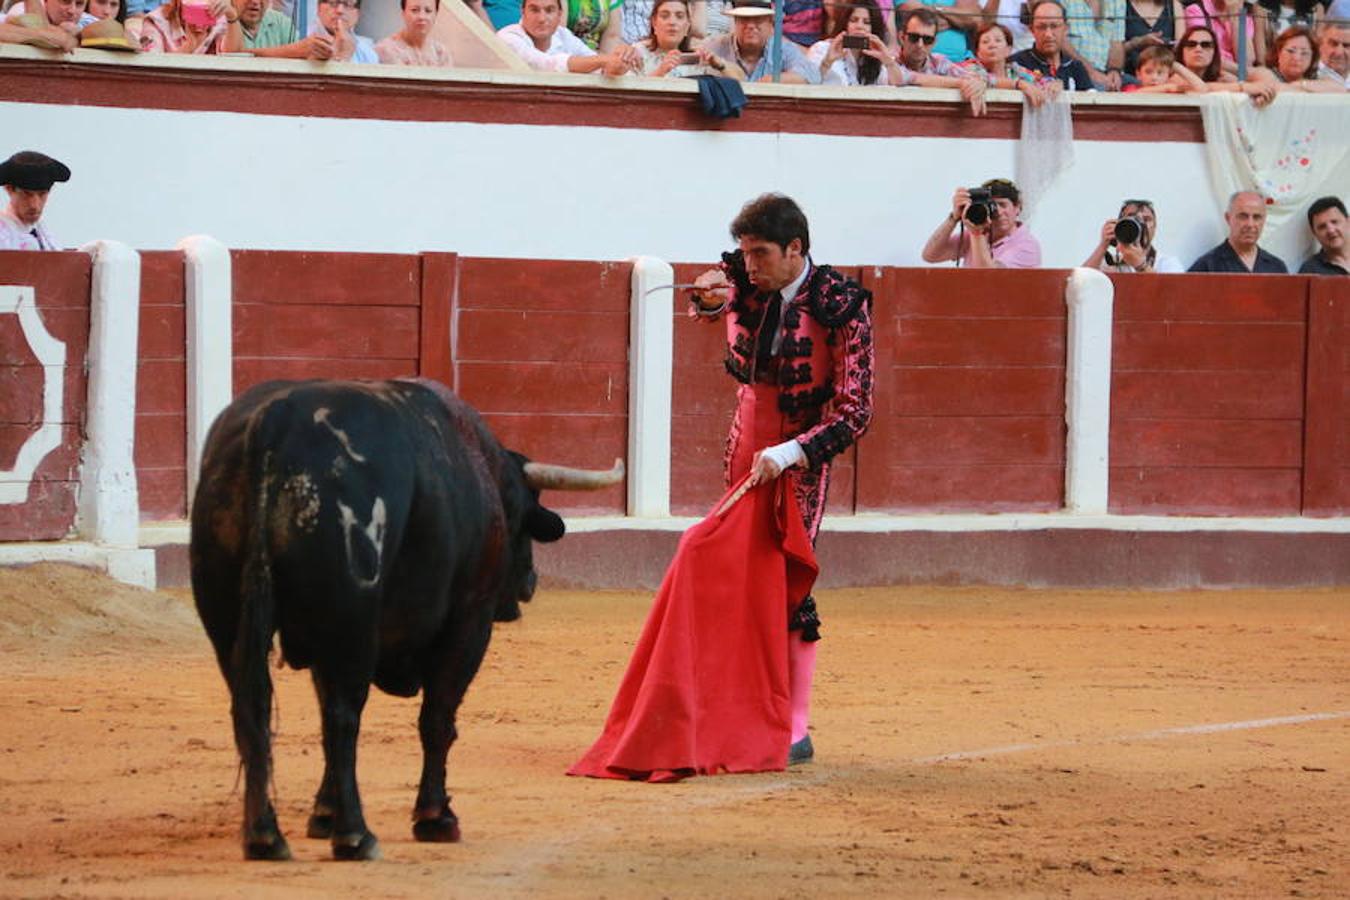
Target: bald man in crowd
point(1240, 252)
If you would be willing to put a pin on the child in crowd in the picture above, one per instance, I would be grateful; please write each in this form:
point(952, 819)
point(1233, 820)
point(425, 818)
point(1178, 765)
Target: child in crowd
point(1160, 73)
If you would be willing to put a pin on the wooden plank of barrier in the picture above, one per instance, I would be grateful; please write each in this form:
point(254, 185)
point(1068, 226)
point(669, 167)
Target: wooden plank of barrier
point(161, 388)
point(970, 392)
point(541, 350)
point(1326, 445)
point(440, 277)
point(1207, 394)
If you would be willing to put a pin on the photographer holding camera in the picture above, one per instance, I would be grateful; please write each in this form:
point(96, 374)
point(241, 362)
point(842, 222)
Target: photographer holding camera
point(1126, 243)
point(990, 235)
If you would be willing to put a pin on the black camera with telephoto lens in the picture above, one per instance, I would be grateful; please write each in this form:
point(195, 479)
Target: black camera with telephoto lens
point(1129, 230)
point(981, 208)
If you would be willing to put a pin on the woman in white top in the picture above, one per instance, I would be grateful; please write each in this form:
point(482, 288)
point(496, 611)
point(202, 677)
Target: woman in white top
point(867, 63)
point(668, 48)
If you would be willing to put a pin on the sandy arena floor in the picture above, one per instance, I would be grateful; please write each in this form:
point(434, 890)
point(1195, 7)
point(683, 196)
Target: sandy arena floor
point(971, 742)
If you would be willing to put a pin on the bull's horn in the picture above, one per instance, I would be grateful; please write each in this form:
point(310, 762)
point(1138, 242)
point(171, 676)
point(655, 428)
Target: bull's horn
point(543, 476)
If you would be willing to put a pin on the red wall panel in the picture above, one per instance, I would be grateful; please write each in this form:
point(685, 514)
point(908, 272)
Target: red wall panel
point(969, 394)
point(60, 284)
point(541, 349)
point(161, 388)
point(1207, 395)
point(1326, 481)
point(310, 315)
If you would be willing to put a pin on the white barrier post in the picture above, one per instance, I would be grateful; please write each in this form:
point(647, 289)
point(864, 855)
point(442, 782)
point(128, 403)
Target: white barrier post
point(1087, 392)
point(651, 356)
point(109, 505)
point(210, 343)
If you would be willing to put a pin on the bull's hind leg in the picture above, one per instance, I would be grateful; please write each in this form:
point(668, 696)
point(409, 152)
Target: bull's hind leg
point(342, 697)
point(433, 819)
point(252, 735)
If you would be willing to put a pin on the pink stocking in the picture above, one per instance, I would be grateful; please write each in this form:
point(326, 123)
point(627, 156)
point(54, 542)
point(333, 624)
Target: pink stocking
point(801, 669)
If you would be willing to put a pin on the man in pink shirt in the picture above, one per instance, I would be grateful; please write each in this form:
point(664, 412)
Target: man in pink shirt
point(991, 237)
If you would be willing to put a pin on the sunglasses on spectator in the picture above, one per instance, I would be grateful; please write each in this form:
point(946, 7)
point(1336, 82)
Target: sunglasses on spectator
point(350, 4)
point(926, 39)
point(1203, 45)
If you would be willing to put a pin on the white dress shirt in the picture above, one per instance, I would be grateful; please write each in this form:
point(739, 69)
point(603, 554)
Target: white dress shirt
point(561, 46)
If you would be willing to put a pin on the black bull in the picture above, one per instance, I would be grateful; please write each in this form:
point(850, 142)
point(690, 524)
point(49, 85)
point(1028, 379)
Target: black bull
point(380, 529)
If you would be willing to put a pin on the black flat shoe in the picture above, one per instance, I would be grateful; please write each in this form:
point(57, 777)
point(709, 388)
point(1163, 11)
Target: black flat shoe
point(801, 752)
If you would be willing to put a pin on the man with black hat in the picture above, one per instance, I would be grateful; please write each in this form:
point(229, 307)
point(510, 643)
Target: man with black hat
point(28, 177)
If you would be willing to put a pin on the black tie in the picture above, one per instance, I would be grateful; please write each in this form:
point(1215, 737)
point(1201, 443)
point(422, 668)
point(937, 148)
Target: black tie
point(773, 314)
point(33, 232)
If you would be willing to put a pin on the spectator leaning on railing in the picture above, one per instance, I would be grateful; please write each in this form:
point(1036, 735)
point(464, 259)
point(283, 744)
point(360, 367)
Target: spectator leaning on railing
point(993, 47)
point(991, 236)
point(1334, 48)
point(1126, 243)
point(955, 20)
point(414, 45)
point(1047, 57)
point(266, 32)
point(1326, 218)
point(921, 67)
point(546, 45)
point(69, 15)
point(668, 49)
point(843, 65)
point(1221, 18)
point(748, 46)
point(1293, 64)
point(1160, 73)
point(1240, 252)
point(192, 28)
point(1200, 56)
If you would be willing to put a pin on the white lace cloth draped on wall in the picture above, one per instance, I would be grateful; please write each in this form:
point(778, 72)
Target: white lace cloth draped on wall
point(1293, 151)
point(1045, 150)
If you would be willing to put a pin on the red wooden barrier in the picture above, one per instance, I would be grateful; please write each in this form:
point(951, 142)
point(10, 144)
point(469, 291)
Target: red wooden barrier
point(1326, 448)
point(161, 388)
point(60, 283)
point(541, 349)
point(325, 315)
point(1207, 395)
point(970, 392)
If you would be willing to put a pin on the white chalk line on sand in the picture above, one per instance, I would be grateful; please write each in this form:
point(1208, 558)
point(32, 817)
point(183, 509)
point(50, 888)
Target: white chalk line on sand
point(527, 863)
point(1157, 734)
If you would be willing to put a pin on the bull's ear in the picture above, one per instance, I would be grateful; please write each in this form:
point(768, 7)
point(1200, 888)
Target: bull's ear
point(544, 525)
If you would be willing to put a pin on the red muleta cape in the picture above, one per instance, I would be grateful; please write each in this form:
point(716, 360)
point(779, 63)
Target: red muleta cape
point(706, 690)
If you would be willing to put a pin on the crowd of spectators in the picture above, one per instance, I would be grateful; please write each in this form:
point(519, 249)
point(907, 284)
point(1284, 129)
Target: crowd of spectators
point(984, 230)
point(1037, 47)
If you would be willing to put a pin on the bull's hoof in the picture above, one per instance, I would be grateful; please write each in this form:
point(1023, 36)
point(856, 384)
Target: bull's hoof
point(320, 826)
point(273, 849)
point(356, 847)
point(442, 829)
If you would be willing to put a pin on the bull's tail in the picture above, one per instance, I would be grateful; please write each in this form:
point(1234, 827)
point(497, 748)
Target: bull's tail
point(250, 680)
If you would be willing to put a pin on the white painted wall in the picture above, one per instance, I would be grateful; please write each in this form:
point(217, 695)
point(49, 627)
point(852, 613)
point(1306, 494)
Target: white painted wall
point(258, 181)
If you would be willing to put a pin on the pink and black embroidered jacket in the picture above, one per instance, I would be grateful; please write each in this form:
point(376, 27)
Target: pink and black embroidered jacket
point(823, 368)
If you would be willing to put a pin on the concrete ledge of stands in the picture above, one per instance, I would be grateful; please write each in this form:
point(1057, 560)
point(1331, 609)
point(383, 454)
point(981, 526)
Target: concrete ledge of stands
point(1031, 550)
point(131, 565)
